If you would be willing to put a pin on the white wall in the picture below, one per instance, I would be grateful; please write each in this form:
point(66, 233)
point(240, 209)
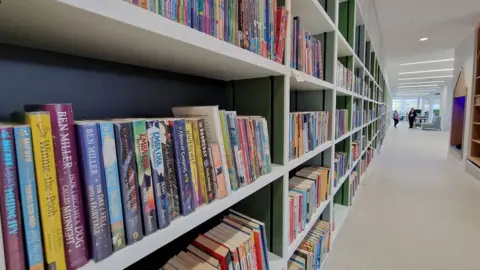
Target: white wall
point(464, 59)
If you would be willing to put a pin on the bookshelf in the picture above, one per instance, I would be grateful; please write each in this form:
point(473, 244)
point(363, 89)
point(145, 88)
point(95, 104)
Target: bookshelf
point(474, 153)
point(144, 64)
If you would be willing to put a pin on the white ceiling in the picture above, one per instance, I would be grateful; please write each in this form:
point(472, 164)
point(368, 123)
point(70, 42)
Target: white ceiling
point(403, 22)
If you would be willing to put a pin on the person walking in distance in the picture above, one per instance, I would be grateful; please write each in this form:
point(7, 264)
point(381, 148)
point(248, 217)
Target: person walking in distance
point(396, 116)
point(411, 117)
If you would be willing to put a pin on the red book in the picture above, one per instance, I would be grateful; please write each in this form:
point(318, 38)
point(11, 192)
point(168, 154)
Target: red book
point(282, 15)
point(243, 145)
point(215, 249)
point(10, 202)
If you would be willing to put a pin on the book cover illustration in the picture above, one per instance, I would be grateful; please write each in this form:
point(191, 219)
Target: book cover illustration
point(10, 202)
point(48, 196)
point(144, 176)
point(182, 164)
point(112, 181)
point(219, 177)
point(70, 189)
point(128, 183)
point(28, 194)
point(95, 188)
point(166, 137)
point(158, 172)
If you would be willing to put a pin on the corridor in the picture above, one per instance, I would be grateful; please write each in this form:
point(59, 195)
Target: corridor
point(414, 211)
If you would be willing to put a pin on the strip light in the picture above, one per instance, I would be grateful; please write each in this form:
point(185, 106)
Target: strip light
point(421, 82)
point(424, 78)
point(427, 62)
point(425, 71)
point(418, 86)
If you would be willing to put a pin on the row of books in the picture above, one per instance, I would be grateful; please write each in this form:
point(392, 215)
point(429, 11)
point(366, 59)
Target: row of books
point(340, 165)
point(369, 155)
point(356, 150)
point(364, 142)
point(307, 131)
point(257, 26)
point(238, 242)
point(307, 51)
point(360, 86)
point(357, 118)
point(353, 186)
point(311, 253)
point(341, 122)
point(344, 77)
point(306, 191)
point(130, 177)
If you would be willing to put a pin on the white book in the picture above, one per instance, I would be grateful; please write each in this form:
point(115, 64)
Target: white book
point(2, 251)
point(213, 130)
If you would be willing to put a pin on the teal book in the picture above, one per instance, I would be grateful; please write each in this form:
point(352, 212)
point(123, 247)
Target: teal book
point(28, 197)
point(112, 180)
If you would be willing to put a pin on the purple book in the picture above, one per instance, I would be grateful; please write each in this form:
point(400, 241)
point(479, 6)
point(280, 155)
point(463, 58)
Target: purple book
point(95, 189)
point(10, 202)
point(69, 186)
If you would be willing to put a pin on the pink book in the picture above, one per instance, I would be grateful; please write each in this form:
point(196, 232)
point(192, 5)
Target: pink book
point(221, 189)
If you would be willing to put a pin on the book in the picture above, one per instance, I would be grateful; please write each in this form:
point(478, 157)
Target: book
point(28, 195)
point(213, 129)
point(166, 135)
point(144, 176)
point(193, 164)
point(70, 188)
point(186, 193)
point(204, 256)
point(90, 150)
point(47, 185)
point(2, 250)
point(228, 150)
point(158, 172)
point(237, 154)
point(216, 250)
point(204, 168)
point(112, 181)
point(10, 201)
point(219, 177)
point(128, 183)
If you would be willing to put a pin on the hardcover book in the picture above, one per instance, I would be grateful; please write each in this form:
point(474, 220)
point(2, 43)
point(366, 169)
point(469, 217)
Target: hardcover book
point(128, 183)
point(28, 195)
point(48, 196)
point(70, 189)
point(144, 176)
point(158, 172)
point(112, 181)
point(182, 166)
point(166, 136)
point(10, 202)
point(95, 189)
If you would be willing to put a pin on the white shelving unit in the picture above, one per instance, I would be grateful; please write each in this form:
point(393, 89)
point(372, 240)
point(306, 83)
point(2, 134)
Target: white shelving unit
point(116, 31)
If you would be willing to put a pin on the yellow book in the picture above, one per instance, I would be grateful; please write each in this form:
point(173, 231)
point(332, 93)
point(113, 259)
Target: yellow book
point(193, 162)
point(199, 159)
point(47, 189)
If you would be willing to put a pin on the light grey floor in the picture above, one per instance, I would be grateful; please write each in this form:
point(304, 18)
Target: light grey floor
point(415, 210)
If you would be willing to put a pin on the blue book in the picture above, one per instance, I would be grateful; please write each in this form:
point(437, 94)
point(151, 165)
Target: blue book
point(158, 172)
point(259, 142)
point(89, 144)
point(182, 167)
point(28, 196)
point(114, 196)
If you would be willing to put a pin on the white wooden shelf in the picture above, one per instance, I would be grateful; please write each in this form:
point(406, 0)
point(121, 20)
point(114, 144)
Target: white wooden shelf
point(117, 31)
point(131, 254)
point(343, 48)
point(304, 158)
point(302, 81)
point(298, 240)
point(313, 17)
point(276, 262)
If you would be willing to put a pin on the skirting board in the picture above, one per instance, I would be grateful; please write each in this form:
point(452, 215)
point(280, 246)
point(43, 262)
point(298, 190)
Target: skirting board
point(472, 169)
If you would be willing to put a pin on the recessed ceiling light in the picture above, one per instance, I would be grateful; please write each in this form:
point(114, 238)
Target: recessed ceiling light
point(417, 86)
point(423, 78)
point(427, 62)
point(424, 39)
point(421, 82)
point(425, 71)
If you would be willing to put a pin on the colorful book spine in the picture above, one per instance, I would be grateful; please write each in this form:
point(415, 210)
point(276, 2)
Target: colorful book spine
point(228, 151)
point(182, 167)
point(220, 188)
point(128, 183)
point(144, 176)
point(112, 180)
point(199, 159)
point(158, 172)
point(28, 194)
point(193, 164)
point(244, 147)
point(71, 195)
point(10, 202)
point(95, 190)
point(207, 162)
point(236, 148)
point(48, 196)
